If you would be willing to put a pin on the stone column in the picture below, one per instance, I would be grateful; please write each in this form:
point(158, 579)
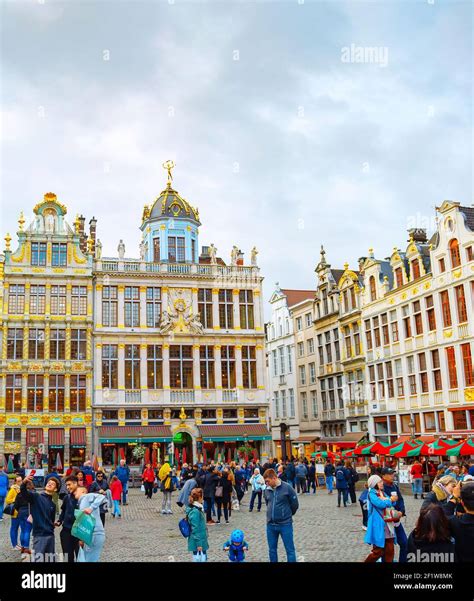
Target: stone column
point(27, 299)
point(90, 300)
point(236, 310)
point(46, 393)
point(68, 342)
point(67, 393)
point(238, 367)
point(97, 367)
point(4, 341)
point(25, 341)
point(143, 307)
point(121, 373)
point(215, 308)
point(2, 392)
point(121, 306)
point(47, 339)
point(24, 393)
point(166, 373)
point(98, 305)
point(257, 310)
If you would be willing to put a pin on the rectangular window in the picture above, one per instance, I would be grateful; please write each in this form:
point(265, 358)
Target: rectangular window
point(283, 403)
point(308, 319)
point(56, 393)
point(460, 420)
point(430, 313)
point(442, 265)
point(394, 325)
point(304, 402)
point(205, 307)
point(275, 363)
point(226, 309)
point(314, 404)
point(59, 254)
point(451, 359)
point(324, 401)
point(36, 344)
point(16, 299)
point(430, 421)
point(78, 345)
point(132, 306)
point(37, 300)
point(14, 343)
point(153, 306)
point(58, 300)
point(461, 303)
point(368, 334)
point(78, 392)
point(423, 372)
point(437, 381)
point(38, 253)
point(281, 356)
point(299, 324)
point(406, 321)
point(156, 250)
point(300, 349)
point(470, 253)
point(110, 366)
point(206, 354)
point(446, 309)
point(289, 358)
point(302, 371)
point(181, 366)
point(176, 249)
point(277, 404)
point(109, 306)
point(415, 269)
point(132, 366)
point(79, 300)
point(467, 365)
point(312, 373)
point(35, 389)
point(418, 320)
point(249, 367)
point(246, 309)
point(154, 366)
point(411, 374)
point(13, 393)
point(310, 346)
point(12, 434)
point(441, 421)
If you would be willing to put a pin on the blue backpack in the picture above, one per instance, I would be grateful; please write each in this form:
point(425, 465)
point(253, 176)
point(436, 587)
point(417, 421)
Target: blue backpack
point(185, 527)
point(340, 476)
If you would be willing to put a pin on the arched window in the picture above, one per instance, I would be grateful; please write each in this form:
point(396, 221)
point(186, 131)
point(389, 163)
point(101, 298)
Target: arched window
point(399, 277)
point(373, 291)
point(455, 255)
point(415, 269)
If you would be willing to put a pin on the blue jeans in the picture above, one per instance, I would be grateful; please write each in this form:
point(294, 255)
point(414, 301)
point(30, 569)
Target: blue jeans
point(286, 533)
point(344, 493)
point(124, 491)
point(2, 506)
point(14, 526)
point(116, 510)
point(417, 486)
point(256, 493)
point(329, 483)
point(402, 541)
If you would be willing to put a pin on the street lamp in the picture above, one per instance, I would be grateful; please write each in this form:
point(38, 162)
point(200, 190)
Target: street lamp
point(411, 425)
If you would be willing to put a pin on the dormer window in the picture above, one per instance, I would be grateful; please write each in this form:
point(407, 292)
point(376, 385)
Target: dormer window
point(399, 277)
point(455, 255)
point(415, 269)
point(176, 249)
point(373, 290)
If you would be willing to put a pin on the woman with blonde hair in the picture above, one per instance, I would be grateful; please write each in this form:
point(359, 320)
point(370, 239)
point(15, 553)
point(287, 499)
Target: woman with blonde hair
point(441, 492)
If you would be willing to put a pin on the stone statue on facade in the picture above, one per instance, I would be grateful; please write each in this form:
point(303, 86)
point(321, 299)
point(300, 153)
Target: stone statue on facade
point(212, 254)
point(253, 256)
point(98, 250)
point(234, 255)
point(49, 223)
point(166, 323)
point(142, 250)
point(38, 224)
point(195, 325)
point(121, 249)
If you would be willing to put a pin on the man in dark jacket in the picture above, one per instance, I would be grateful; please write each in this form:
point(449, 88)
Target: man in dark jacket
point(282, 504)
point(390, 489)
point(239, 476)
point(343, 475)
point(210, 483)
point(100, 486)
point(69, 543)
point(311, 478)
point(123, 474)
point(43, 511)
point(329, 475)
point(462, 525)
point(290, 473)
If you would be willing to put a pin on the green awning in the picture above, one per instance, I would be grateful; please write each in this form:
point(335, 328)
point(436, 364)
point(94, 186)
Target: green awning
point(234, 438)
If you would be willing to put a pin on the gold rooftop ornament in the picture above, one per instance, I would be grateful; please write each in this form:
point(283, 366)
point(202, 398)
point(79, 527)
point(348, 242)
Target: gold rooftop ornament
point(8, 239)
point(168, 166)
point(182, 415)
point(21, 221)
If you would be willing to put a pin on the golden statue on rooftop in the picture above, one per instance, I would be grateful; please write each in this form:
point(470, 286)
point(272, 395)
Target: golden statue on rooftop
point(168, 166)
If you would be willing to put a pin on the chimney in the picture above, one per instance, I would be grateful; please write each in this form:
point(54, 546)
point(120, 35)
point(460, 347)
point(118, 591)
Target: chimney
point(418, 234)
point(240, 258)
point(83, 237)
point(92, 232)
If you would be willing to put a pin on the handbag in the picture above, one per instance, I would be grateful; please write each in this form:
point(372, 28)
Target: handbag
point(83, 527)
point(219, 492)
point(9, 509)
point(200, 557)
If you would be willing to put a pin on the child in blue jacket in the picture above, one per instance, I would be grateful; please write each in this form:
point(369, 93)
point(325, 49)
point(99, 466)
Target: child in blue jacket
point(236, 546)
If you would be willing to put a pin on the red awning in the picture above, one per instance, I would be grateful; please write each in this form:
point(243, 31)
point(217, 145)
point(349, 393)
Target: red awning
point(406, 437)
point(34, 437)
point(134, 433)
point(56, 437)
point(77, 437)
point(235, 431)
point(461, 408)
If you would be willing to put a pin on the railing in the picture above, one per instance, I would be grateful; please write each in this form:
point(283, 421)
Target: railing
point(179, 268)
point(131, 266)
point(182, 396)
point(453, 396)
point(109, 266)
point(462, 330)
point(133, 396)
point(229, 395)
point(438, 398)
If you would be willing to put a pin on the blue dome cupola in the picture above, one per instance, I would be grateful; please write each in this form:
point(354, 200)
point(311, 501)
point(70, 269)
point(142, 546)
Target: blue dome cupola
point(170, 227)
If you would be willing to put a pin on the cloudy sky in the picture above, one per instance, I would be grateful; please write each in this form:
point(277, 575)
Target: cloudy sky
point(278, 141)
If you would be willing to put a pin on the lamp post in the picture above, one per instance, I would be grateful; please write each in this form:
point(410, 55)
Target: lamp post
point(411, 425)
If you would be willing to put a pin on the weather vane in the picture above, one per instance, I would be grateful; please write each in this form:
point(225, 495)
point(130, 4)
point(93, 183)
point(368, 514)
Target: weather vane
point(169, 165)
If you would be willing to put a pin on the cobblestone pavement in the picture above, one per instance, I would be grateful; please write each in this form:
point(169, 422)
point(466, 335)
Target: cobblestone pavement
point(323, 532)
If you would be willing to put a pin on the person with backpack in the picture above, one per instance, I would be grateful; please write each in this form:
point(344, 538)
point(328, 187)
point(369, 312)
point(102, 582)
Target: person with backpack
point(186, 491)
point(329, 475)
point(223, 494)
point(3, 490)
point(301, 471)
point(165, 476)
point(197, 540)
point(123, 474)
point(343, 476)
point(258, 486)
point(354, 478)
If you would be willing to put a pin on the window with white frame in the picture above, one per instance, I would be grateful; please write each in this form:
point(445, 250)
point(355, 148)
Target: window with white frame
point(314, 403)
point(302, 370)
point(275, 363)
point(291, 394)
point(79, 300)
point(300, 349)
point(290, 360)
point(308, 319)
point(281, 356)
point(310, 345)
point(153, 306)
point(304, 403)
point(277, 404)
point(312, 373)
point(283, 403)
point(37, 300)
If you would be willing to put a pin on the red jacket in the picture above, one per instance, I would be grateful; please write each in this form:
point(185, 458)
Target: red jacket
point(416, 470)
point(148, 475)
point(116, 490)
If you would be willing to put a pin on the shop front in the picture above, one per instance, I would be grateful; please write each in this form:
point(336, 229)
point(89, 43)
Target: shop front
point(56, 449)
point(77, 446)
point(35, 446)
point(344, 443)
point(135, 444)
point(233, 442)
